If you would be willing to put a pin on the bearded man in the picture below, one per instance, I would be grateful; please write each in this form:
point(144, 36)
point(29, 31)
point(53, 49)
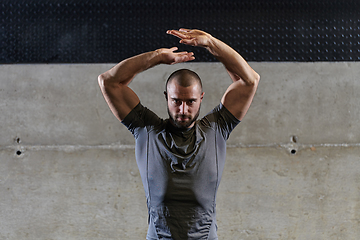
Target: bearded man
point(181, 158)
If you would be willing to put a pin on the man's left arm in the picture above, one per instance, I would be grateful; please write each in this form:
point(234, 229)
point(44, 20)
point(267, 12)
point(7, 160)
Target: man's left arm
point(240, 93)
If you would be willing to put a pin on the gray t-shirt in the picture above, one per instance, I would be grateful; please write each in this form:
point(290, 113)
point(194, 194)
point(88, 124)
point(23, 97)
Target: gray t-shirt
point(181, 171)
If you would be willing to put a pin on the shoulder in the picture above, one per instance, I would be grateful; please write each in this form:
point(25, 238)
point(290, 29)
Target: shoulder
point(220, 119)
point(141, 117)
point(218, 114)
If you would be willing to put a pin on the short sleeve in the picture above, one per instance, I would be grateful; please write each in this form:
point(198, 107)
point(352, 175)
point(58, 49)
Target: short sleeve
point(140, 117)
point(221, 119)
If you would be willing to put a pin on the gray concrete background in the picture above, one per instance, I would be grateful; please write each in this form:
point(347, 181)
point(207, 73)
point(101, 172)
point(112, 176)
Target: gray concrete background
point(67, 166)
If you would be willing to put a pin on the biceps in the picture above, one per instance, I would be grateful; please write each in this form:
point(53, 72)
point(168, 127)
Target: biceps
point(121, 99)
point(238, 97)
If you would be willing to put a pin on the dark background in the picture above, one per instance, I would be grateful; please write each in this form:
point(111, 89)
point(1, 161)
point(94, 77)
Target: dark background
point(52, 31)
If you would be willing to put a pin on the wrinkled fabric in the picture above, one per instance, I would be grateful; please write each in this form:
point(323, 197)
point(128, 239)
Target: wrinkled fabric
point(181, 171)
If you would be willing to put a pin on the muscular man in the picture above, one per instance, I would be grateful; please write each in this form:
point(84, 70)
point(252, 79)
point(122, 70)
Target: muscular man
point(181, 159)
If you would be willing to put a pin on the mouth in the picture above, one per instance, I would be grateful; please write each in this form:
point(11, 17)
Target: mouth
point(183, 119)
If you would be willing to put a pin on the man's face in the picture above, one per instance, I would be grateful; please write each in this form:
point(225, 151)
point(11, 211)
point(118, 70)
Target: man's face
point(183, 104)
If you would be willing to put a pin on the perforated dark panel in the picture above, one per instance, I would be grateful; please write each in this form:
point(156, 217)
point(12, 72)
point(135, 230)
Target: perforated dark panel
point(52, 31)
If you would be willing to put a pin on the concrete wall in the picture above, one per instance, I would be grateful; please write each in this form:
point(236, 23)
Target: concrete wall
point(67, 166)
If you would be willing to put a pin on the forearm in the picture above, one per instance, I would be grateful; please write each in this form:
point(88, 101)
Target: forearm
point(127, 69)
point(236, 65)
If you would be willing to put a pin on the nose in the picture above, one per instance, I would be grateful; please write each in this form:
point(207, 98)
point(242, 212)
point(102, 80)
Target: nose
point(183, 108)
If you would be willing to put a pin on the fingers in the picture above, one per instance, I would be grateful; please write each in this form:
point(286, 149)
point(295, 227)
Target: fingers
point(191, 41)
point(188, 36)
point(182, 54)
point(191, 55)
point(184, 58)
point(173, 49)
point(172, 52)
point(184, 30)
point(181, 33)
point(176, 34)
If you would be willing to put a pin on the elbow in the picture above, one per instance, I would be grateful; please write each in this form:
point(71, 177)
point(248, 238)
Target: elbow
point(254, 81)
point(101, 80)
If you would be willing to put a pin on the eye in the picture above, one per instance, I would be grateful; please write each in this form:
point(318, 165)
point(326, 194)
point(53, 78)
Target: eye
point(191, 101)
point(176, 101)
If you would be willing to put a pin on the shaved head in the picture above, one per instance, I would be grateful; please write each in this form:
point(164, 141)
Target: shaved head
point(184, 78)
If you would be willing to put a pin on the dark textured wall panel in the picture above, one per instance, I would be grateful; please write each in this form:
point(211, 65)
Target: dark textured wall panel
point(52, 31)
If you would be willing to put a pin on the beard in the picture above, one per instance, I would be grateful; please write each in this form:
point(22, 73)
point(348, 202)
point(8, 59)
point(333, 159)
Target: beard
point(183, 124)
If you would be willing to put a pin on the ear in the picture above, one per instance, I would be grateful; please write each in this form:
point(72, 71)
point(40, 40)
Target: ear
point(165, 93)
point(202, 96)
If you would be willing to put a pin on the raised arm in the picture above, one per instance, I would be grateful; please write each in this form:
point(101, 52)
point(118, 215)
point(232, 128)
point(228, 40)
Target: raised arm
point(240, 93)
point(114, 83)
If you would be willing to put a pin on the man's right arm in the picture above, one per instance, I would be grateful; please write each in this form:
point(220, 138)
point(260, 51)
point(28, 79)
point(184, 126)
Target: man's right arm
point(114, 83)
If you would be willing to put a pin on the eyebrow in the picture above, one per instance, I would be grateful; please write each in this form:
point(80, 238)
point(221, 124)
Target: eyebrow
point(190, 99)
